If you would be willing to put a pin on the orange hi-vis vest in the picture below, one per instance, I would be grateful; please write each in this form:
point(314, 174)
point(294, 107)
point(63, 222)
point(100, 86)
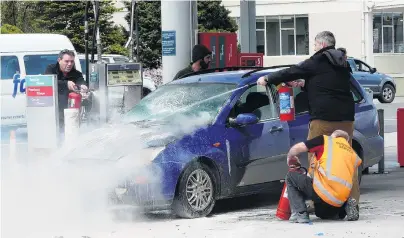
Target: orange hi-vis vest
point(334, 171)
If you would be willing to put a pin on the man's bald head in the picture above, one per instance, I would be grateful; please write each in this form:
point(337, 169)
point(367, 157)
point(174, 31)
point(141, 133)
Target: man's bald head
point(340, 133)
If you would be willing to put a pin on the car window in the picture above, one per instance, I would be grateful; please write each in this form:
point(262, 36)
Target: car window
point(301, 100)
point(255, 100)
point(36, 64)
point(9, 66)
point(356, 94)
point(121, 59)
point(362, 67)
point(352, 64)
point(83, 65)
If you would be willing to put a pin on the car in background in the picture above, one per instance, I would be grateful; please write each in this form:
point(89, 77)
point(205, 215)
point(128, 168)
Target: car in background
point(382, 85)
point(148, 84)
point(239, 149)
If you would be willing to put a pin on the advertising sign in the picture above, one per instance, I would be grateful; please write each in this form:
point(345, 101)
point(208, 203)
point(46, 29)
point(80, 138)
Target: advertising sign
point(42, 111)
point(168, 43)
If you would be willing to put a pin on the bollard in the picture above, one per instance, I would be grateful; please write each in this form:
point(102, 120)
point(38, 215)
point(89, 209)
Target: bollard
point(400, 136)
point(72, 124)
point(13, 146)
point(380, 114)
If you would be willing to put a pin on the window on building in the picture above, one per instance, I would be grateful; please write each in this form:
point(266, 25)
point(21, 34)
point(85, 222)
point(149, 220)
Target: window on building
point(388, 31)
point(285, 35)
point(281, 35)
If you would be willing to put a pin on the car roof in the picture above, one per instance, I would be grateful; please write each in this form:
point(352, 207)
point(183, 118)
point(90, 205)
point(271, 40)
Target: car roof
point(232, 77)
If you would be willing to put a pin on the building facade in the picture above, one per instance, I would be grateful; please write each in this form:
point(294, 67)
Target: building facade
point(370, 30)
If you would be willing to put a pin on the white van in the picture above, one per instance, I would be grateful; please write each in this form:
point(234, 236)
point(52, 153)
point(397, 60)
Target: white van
point(26, 54)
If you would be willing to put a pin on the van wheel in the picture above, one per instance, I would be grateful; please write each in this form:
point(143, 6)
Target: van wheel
point(146, 91)
point(195, 195)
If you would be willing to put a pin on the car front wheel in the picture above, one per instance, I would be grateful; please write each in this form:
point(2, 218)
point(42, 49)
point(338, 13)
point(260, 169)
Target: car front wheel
point(387, 95)
point(195, 195)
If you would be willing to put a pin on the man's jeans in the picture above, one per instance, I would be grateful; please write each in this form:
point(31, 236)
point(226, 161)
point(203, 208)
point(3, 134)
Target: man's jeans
point(300, 188)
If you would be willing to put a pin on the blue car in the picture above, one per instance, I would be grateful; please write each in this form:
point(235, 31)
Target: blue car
point(383, 86)
point(237, 145)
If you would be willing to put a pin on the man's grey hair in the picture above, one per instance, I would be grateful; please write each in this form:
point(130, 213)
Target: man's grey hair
point(326, 37)
point(66, 52)
point(340, 133)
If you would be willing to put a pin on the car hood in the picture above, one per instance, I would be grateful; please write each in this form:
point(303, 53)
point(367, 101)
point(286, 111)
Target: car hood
point(134, 140)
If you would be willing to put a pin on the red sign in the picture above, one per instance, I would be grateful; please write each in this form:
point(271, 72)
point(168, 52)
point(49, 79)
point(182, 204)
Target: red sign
point(251, 59)
point(39, 91)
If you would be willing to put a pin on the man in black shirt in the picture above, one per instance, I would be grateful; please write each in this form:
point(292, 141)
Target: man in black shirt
point(327, 83)
point(201, 57)
point(68, 79)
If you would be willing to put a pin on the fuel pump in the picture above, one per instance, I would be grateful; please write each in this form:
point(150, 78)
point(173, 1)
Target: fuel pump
point(116, 89)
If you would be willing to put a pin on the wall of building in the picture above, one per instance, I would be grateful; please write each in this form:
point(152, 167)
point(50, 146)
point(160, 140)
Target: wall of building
point(343, 18)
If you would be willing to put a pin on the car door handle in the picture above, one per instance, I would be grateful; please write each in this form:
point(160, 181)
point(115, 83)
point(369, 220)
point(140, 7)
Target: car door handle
point(275, 129)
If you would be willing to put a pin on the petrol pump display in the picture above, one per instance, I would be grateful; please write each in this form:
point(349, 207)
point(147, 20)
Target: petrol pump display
point(124, 74)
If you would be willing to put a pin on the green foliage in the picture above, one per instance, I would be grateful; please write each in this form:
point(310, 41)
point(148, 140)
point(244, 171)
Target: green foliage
point(67, 18)
point(212, 17)
point(21, 14)
point(149, 25)
point(10, 29)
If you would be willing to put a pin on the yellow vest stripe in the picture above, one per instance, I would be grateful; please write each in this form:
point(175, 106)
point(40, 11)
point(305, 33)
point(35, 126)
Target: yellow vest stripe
point(329, 176)
point(329, 163)
point(326, 193)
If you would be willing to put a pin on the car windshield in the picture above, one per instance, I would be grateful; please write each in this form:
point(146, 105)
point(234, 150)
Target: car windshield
point(36, 64)
point(169, 101)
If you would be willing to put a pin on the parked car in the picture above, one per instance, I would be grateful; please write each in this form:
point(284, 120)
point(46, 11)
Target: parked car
point(240, 149)
point(382, 85)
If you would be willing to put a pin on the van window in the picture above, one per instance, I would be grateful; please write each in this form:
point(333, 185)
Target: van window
point(36, 64)
point(83, 65)
point(9, 66)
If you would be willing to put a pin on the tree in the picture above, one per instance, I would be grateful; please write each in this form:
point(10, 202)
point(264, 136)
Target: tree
point(20, 14)
point(10, 29)
point(212, 16)
point(149, 25)
point(67, 18)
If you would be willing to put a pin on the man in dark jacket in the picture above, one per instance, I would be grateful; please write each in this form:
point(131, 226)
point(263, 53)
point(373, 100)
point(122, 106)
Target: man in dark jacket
point(68, 79)
point(327, 83)
point(201, 57)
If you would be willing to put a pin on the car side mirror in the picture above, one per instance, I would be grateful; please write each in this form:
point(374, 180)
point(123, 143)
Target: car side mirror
point(373, 70)
point(244, 119)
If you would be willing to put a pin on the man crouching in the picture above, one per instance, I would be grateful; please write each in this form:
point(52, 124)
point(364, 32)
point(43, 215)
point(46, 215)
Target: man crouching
point(329, 182)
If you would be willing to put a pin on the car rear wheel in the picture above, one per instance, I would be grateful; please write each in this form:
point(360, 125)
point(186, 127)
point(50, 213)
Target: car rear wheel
point(387, 95)
point(195, 195)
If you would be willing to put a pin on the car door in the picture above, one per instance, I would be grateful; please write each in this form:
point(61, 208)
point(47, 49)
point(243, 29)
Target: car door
point(260, 149)
point(365, 77)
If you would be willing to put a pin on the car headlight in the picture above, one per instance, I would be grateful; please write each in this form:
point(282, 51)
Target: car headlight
point(153, 152)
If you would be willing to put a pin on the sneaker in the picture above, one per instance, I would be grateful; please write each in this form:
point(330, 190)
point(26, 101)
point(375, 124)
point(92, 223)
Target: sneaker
point(301, 218)
point(293, 217)
point(352, 209)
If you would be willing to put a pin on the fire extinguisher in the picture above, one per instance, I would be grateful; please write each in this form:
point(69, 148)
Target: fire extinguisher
point(286, 103)
point(284, 212)
point(74, 100)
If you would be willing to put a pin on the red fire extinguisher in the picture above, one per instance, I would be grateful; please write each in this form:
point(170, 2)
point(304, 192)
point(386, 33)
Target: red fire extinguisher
point(283, 212)
point(74, 100)
point(286, 103)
